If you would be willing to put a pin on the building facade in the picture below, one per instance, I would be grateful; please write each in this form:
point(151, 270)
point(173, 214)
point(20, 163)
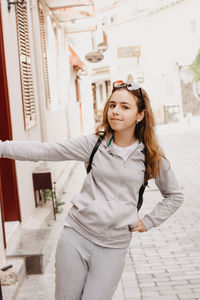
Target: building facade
point(39, 102)
point(151, 46)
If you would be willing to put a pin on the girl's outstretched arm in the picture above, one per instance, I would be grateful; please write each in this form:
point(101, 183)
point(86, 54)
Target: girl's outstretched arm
point(73, 149)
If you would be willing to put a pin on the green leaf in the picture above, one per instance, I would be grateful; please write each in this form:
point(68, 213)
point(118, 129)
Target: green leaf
point(195, 67)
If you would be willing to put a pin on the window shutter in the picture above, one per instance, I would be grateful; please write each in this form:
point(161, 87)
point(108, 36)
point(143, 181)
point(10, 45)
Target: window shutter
point(44, 56)
point(25, 66)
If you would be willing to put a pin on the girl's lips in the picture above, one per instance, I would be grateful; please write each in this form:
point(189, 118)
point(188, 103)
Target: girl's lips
point(114, 119)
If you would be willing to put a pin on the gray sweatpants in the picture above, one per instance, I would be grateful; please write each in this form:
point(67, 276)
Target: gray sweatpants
point(86, 271)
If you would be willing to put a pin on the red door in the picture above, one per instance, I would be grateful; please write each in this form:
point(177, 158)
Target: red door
point(9, 191)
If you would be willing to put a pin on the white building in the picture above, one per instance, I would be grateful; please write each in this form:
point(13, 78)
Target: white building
point(42, 99)
point(149, 43)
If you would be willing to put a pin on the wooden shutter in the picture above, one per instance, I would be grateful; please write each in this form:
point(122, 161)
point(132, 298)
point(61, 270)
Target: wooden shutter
point(25, 66)
point(44, 56)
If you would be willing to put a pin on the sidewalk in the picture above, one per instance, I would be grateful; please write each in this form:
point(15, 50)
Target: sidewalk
point(163, 263)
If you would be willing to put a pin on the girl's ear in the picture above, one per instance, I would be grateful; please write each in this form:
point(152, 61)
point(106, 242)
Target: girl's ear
point(140, 116)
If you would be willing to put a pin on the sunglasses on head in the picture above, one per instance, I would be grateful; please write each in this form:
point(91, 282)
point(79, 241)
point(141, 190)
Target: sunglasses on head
point(129, 86)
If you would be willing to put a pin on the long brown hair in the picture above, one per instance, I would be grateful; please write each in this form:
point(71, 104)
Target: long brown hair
point(144, 132)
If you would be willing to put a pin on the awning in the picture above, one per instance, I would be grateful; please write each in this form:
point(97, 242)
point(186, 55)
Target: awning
point(74, 59)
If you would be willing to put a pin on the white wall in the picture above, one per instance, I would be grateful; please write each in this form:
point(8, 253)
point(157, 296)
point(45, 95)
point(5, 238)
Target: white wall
point(81, 43)
point(87, 105)
point(73, 107)
point(24, 170)
point(52, 124)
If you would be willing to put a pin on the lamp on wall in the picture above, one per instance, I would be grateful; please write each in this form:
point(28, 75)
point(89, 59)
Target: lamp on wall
point(15, 3)
point(81, 72)
point(94, 56)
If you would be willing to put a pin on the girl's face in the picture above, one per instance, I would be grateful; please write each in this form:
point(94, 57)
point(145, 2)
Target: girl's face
point(123, 112)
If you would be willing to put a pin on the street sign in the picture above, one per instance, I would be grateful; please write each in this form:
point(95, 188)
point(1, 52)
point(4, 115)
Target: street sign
point(129, 51)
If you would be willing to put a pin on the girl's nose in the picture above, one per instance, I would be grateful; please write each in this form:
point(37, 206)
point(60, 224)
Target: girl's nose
point(116, 110)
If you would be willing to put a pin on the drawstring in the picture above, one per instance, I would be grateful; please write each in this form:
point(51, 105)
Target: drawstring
point(110, 141)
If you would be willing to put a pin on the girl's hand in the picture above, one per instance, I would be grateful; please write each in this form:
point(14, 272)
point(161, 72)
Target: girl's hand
point(140, 227)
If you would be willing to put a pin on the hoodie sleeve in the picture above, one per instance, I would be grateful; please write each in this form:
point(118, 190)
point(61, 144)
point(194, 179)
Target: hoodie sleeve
point(172, 197)
point(78, 149)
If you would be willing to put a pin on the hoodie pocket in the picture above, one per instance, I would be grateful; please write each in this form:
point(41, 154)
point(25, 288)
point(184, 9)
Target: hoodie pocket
point(98, 215)
point(81, 203)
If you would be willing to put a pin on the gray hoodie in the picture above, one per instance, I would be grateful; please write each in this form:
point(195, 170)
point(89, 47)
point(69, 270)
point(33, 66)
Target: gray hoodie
point(106, 207)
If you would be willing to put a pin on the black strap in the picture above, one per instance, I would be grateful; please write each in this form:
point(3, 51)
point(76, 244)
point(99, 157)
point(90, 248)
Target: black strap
point(140, 198)
point(89, 167)
point(141, 191)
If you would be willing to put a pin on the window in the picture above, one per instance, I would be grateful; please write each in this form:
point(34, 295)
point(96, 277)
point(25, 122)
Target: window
point(108, 88)
point(101, 92)
point(44, 56)
point(27, 86)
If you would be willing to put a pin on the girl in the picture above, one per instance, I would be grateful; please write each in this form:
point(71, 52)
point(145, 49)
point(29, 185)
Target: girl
point(98, 228)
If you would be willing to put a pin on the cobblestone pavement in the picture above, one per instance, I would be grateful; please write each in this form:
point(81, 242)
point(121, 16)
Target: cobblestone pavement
point(163, 263)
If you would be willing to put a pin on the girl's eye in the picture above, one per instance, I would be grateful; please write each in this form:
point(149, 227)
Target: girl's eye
point(125, 107)
point(112, 105)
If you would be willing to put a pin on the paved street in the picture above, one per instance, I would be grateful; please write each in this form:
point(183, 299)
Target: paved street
point(163, 263)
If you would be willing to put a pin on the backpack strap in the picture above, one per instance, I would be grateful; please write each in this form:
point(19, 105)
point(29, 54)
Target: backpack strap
point(142, 188)
point(89, 167)
point(140, 198)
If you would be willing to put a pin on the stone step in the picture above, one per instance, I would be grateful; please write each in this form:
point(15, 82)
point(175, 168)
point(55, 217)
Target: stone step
point(30, 244)
point(10, 291)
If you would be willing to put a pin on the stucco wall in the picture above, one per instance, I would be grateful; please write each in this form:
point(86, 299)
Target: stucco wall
point(52, 124)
